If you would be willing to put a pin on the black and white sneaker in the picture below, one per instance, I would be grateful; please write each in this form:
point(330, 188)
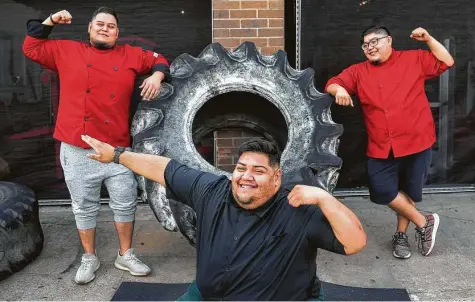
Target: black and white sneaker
point(401, 248)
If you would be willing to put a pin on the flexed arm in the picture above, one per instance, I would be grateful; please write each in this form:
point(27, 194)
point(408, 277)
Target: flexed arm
point(344, 224)
point(437, 49)
point(36, 46)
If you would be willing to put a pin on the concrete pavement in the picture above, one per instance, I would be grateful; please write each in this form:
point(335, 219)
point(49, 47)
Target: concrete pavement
point(447, 274)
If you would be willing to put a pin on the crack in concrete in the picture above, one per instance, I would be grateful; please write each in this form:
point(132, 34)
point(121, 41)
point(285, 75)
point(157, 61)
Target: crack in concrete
point(73, 263)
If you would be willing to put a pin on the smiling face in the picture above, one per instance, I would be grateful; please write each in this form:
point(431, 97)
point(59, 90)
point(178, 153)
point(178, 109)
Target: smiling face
point(377, 47)
point(254, 180)
point(103, 31)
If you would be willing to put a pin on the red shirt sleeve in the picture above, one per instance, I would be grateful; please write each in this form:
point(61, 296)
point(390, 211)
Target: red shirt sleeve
point(346, 79)
point(430, 65)
point(152, 61)
point(42, 51)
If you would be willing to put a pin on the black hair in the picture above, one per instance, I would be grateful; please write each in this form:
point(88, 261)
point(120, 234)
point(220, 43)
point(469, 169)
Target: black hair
point(260, 145)
point(106, 10)
point(374, 29)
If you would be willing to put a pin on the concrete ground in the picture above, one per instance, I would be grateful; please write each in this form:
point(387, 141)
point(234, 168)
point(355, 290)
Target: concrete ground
point(447, 274)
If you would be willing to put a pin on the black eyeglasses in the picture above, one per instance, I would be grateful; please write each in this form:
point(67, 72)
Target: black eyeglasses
point(373, 43)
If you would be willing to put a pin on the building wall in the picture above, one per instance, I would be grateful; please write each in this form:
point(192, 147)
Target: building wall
point(227, 143)
point(234, 22)
point(261, 22)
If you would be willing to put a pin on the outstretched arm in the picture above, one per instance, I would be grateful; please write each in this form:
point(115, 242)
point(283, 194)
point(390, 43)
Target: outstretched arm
point(183, 183)
point(150, 166)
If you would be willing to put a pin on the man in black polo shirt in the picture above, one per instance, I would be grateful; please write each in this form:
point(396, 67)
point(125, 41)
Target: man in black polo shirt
point(256, 239)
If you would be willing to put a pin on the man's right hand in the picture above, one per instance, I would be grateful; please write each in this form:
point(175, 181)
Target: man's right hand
point(342, 97)
point(104, 152)
point(61, 17)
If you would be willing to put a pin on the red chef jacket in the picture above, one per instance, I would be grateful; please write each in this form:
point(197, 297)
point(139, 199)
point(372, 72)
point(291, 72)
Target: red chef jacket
point(396, 111)
point(95, 85)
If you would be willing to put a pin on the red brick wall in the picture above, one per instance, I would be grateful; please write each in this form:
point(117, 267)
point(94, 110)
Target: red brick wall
point(227, 142)
point(258, 21)
point(234, 22)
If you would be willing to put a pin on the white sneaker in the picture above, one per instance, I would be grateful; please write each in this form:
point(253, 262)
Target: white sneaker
point(89, 264)
point(130, 262)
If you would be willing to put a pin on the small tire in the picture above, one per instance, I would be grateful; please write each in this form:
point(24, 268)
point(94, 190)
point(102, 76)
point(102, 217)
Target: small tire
point(21, 235)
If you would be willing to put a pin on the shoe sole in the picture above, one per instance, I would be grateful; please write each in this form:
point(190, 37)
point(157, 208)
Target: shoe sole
point(93, 277)
point(401, 257)
point(434, 233)
point(125, 268)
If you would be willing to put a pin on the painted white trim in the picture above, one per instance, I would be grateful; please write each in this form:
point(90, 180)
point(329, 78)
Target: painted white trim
point(298, 33)
point(212, 21)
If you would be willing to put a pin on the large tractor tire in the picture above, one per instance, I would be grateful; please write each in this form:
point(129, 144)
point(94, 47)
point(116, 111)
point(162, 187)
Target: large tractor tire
point(165, 126)
point(21, 236)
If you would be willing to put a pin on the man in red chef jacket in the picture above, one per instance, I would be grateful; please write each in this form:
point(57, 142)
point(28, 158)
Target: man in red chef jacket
point(400, 126)
point(96, 84)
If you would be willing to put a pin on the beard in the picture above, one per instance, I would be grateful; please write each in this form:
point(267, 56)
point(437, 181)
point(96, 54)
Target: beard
point(101, 45)
point(243, 201)
point(376, 62)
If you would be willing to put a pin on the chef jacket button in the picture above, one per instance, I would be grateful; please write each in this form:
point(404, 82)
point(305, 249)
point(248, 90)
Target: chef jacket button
point(115, 68)
point(106, 121)
point(88, 90)
point(86, 118)
point(89, 65)
point(112, 95)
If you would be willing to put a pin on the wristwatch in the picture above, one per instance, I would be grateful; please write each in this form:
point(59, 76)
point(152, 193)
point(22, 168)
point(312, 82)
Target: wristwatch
point(117, 152)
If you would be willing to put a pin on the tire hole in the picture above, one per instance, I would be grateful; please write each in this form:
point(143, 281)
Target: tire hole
point(224, 122)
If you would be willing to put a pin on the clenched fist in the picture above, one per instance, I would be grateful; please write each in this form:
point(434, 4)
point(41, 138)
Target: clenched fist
point(420, 34)
point(307, 195)
point(62, 17)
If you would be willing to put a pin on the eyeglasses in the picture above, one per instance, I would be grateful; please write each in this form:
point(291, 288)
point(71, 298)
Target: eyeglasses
point(373, 43)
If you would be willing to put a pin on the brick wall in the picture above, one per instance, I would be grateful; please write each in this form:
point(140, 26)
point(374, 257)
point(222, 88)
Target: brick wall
point(227, 142)
point(258, 21)
point(234, 22)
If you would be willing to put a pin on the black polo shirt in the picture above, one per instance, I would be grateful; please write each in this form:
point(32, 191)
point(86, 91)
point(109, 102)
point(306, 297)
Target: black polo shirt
point(263, 254)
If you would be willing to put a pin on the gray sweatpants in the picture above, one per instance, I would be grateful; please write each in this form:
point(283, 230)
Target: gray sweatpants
point(84, 178)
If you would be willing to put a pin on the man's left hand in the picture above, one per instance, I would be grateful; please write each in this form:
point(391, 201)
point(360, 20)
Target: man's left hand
point(104, 152)
point(307, 195)
point(151, 86)
point(420, 34)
